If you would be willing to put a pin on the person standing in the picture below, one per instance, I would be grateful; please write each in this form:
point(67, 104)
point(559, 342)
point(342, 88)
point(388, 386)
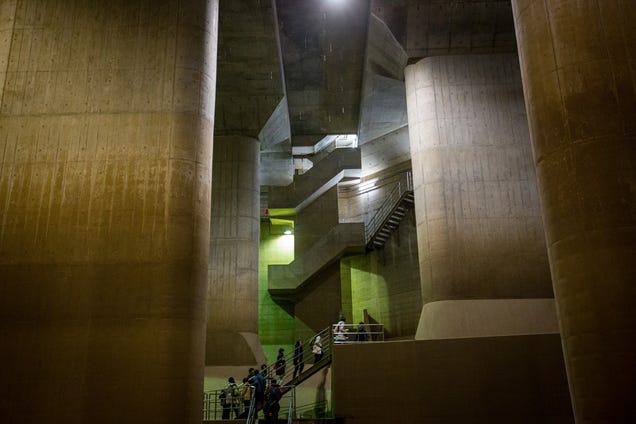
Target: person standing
point(340, 331)
point(299, 362)
point(362, 333)
point(279, 366)
point(316, 349)
point(246, 395)
point(227, 398)
point(258, 381)
point(232, 395)
point(273, 395)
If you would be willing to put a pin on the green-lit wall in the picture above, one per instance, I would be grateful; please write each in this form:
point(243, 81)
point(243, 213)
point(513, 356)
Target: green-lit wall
point(275, 322)
point(385, 283)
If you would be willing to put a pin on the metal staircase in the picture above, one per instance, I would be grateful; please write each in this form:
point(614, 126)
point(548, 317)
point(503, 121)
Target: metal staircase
point(388, 217)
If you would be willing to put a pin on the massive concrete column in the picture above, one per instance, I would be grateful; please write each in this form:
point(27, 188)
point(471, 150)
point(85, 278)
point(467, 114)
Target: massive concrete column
point(578, 60)
point(232, 324)
point(483, 261)
point(106, 123)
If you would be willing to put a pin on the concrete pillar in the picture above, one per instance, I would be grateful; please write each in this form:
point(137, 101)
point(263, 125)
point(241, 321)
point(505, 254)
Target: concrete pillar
point(577, 61)
point(232, 324)
point(483, 261)
point(106, 123)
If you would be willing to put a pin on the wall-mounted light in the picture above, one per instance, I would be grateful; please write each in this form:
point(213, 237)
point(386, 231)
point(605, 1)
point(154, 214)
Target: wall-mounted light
point(287, 232)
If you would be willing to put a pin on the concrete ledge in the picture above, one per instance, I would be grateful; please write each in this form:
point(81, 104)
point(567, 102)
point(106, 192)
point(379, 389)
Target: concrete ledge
point(486, 317)
point(343, 238)
point(494, 380)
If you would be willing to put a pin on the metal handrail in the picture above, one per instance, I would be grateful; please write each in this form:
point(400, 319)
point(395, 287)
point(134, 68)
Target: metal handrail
point(404, 184)
point(352, 333)
point(251, 415)
point(211, 403)
point(292, 405)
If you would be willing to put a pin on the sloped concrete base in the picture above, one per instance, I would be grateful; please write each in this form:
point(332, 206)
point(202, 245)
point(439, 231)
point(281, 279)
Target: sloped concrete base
point(494, 380)
point(228, 348)
point(486, 317)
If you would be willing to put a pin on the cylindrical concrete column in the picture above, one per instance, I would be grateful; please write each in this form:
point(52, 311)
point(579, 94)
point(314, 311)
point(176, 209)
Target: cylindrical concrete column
point(483, 261)
point(577, 60)
point(106, 124)
point(232, 323)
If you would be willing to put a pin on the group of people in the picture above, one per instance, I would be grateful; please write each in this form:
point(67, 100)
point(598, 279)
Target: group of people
point(340, 332)
point(266, 393)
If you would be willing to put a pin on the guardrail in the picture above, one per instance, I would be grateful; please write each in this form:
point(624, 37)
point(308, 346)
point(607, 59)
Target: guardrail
point(357, 333)
point(218, 407)
point(403, 185)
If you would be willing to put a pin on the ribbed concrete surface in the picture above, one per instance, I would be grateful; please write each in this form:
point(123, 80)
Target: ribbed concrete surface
point(105, 168)
point(233, 268)
point(480, 232)
point(577, 59)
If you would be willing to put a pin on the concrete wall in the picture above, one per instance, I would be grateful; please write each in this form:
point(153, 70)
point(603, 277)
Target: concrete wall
point(275, 321)
point(315, 221)
point(320, 304)
point(480, 230)
point(577, 59)
point(106, 132)
point(387, 283)
point(384, 152)
point(516, 379)
point(232, 300)
point(7, 21)
point(360, 202)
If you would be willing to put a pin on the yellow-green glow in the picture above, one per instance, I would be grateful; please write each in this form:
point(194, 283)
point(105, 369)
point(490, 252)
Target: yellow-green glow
point(275, 325)
point(282, 212)
point(283, 222)
point(369, 291)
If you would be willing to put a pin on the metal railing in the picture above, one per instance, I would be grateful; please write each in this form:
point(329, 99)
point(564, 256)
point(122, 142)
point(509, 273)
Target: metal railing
point(357, 333)
point(212, 399)
point(291, 412)
point(404, 185)
point(215, 407)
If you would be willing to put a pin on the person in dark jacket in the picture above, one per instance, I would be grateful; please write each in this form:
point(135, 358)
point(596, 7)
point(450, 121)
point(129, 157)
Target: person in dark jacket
point(272, 397)
point(299, 362)
point(279, 366)
point(362, 333)
point(258, 381)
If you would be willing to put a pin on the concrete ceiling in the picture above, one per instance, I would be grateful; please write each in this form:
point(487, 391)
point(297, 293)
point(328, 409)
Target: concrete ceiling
point(249, 76)
point(323, 45)
point(439, 27)
point(292, 71)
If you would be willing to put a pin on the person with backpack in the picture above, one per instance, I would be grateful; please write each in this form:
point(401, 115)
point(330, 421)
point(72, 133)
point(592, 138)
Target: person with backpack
point(246, 395)
point(272, 397)
point(225, 405)
point(258, 381)
point(232, 395)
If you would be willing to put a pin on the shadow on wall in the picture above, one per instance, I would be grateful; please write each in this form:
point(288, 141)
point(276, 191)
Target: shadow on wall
point(320, 410)
point(495, 380)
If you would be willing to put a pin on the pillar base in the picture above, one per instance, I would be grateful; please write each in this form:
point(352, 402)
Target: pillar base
point(486, 317)
point(233, 348)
